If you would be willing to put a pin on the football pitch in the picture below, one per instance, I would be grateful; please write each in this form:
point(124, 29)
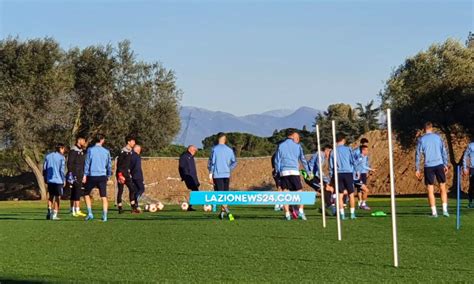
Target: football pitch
point(259, 246)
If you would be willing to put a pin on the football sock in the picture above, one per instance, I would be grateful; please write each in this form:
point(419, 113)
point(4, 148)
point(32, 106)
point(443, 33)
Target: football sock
point(89, 210)
point(445, 207)
point(301, 211)
point(104, 214)
point(287, 214)
point(341, 211)
point(353, 210)
point(433, 210)
point(55, 213)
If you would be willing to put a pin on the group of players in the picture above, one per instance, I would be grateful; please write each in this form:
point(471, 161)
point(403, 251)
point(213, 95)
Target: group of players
point(91, 168)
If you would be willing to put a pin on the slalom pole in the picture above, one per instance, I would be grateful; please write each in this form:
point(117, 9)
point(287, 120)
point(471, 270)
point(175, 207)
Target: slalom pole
point(458, 202)
point(336, 182)
point(392, 190)
point(321, 183)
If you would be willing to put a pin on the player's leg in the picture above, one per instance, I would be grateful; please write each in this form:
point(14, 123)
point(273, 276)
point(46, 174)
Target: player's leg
point(140, 189)
point(120, 187)
point(441, 178)
point(50, 203)
point(132, 195)
point(350, 192)
point(342, 187)
point(102, 185)
point(56, 193)
point(90, 184)
point(365, 194)
point(429, 182)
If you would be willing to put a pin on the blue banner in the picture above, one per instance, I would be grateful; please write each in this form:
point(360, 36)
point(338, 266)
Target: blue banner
point(251, 197)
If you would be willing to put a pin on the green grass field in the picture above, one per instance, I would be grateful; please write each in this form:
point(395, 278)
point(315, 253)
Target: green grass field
point(176, 246)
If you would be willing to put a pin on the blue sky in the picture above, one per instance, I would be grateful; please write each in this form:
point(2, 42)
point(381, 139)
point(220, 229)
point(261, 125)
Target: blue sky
point(252, 56)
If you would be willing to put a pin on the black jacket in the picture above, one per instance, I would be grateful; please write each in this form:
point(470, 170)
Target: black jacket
point(187, 167)
point(75, 162)
point(123, 162)
point(136, 167)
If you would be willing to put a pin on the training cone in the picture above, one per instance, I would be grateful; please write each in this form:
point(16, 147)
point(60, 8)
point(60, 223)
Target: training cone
point(379, 214)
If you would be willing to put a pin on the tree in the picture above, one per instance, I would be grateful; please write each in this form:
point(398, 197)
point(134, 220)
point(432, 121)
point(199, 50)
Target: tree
point(35, 98)
point(346, 123)
point(368, 116)
point(48, 95)
point(435, 85)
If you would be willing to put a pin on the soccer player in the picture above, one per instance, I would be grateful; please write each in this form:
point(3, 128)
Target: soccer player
point(468, 167)
point(136, 172)
point(276, 177)
point(432, 147)
point(187, 170)
point(287, 163)
point(356, 150)
point(221, 163)
point(75, 172)
point(124, 177)
point(345, 174)
point(54, 177)
point(97, 171)
point(362, 168)
point(315, 183)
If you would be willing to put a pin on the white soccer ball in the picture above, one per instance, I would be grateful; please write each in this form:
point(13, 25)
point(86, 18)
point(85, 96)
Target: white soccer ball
point(152, 208)
point(184, 206)
point(160, 206)
point(207, 208)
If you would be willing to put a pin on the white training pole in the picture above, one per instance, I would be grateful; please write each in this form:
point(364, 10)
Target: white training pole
point(321, 183)
point(336, 182)
point(392, 190)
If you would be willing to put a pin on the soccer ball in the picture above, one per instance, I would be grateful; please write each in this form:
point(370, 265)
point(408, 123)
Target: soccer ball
point(184, 206)
point(152, 208)
point(207, 208)
point(160, 206)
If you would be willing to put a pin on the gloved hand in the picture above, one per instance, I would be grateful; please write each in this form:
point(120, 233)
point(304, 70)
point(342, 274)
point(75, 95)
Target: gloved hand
point(120, 178)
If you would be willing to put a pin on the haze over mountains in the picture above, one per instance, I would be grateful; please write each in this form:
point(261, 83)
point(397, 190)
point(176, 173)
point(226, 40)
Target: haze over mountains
point(199, 123)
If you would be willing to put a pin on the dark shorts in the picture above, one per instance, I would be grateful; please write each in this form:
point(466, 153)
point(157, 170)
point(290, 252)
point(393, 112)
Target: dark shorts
point(191, 183)
point(96, 182)
point(221, 184)
point(345, 182)
point(76, 191)
point(432, 172)
point(55, 189)
point(277, 180)
point(315, 183)
point(361, 181)
point(291, 183)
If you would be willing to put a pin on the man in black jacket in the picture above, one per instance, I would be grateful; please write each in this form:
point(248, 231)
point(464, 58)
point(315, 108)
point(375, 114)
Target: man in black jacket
point(187, 170)
point(137, 172)
point(124, 177)
point(75, 172)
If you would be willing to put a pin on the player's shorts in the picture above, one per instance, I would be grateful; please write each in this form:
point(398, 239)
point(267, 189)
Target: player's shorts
point(315, 183)
point(345, 182)
point(361, 181)
point(291, 183)
point(55, 189)
point(191, 183)
point(432, 172)
point(76, 191)
point(96, 182)
point(221, 184)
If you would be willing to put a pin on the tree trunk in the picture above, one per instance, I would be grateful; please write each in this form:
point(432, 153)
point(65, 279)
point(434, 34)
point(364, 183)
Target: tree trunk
point(77, 125)
point(38, 174)
point(452, 157)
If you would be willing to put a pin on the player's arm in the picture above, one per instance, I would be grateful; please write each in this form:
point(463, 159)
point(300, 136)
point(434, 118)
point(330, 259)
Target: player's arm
point(211, 164)
point(45, 172)
point(233, 161)
point(444, 153)
point(87, 166)
point(331, 164)
point(419, 151)
point(276, 161)
point(109, 165)
point(467, 154)
point(305, 163)
point(62, 170)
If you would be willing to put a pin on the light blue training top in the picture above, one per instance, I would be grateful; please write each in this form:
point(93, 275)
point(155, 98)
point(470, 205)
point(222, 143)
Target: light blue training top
point(54, 168)
point(432, 147)
point(221, 161)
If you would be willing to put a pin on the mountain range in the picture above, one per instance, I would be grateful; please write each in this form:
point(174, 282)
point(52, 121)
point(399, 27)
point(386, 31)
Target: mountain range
point(199, 123)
